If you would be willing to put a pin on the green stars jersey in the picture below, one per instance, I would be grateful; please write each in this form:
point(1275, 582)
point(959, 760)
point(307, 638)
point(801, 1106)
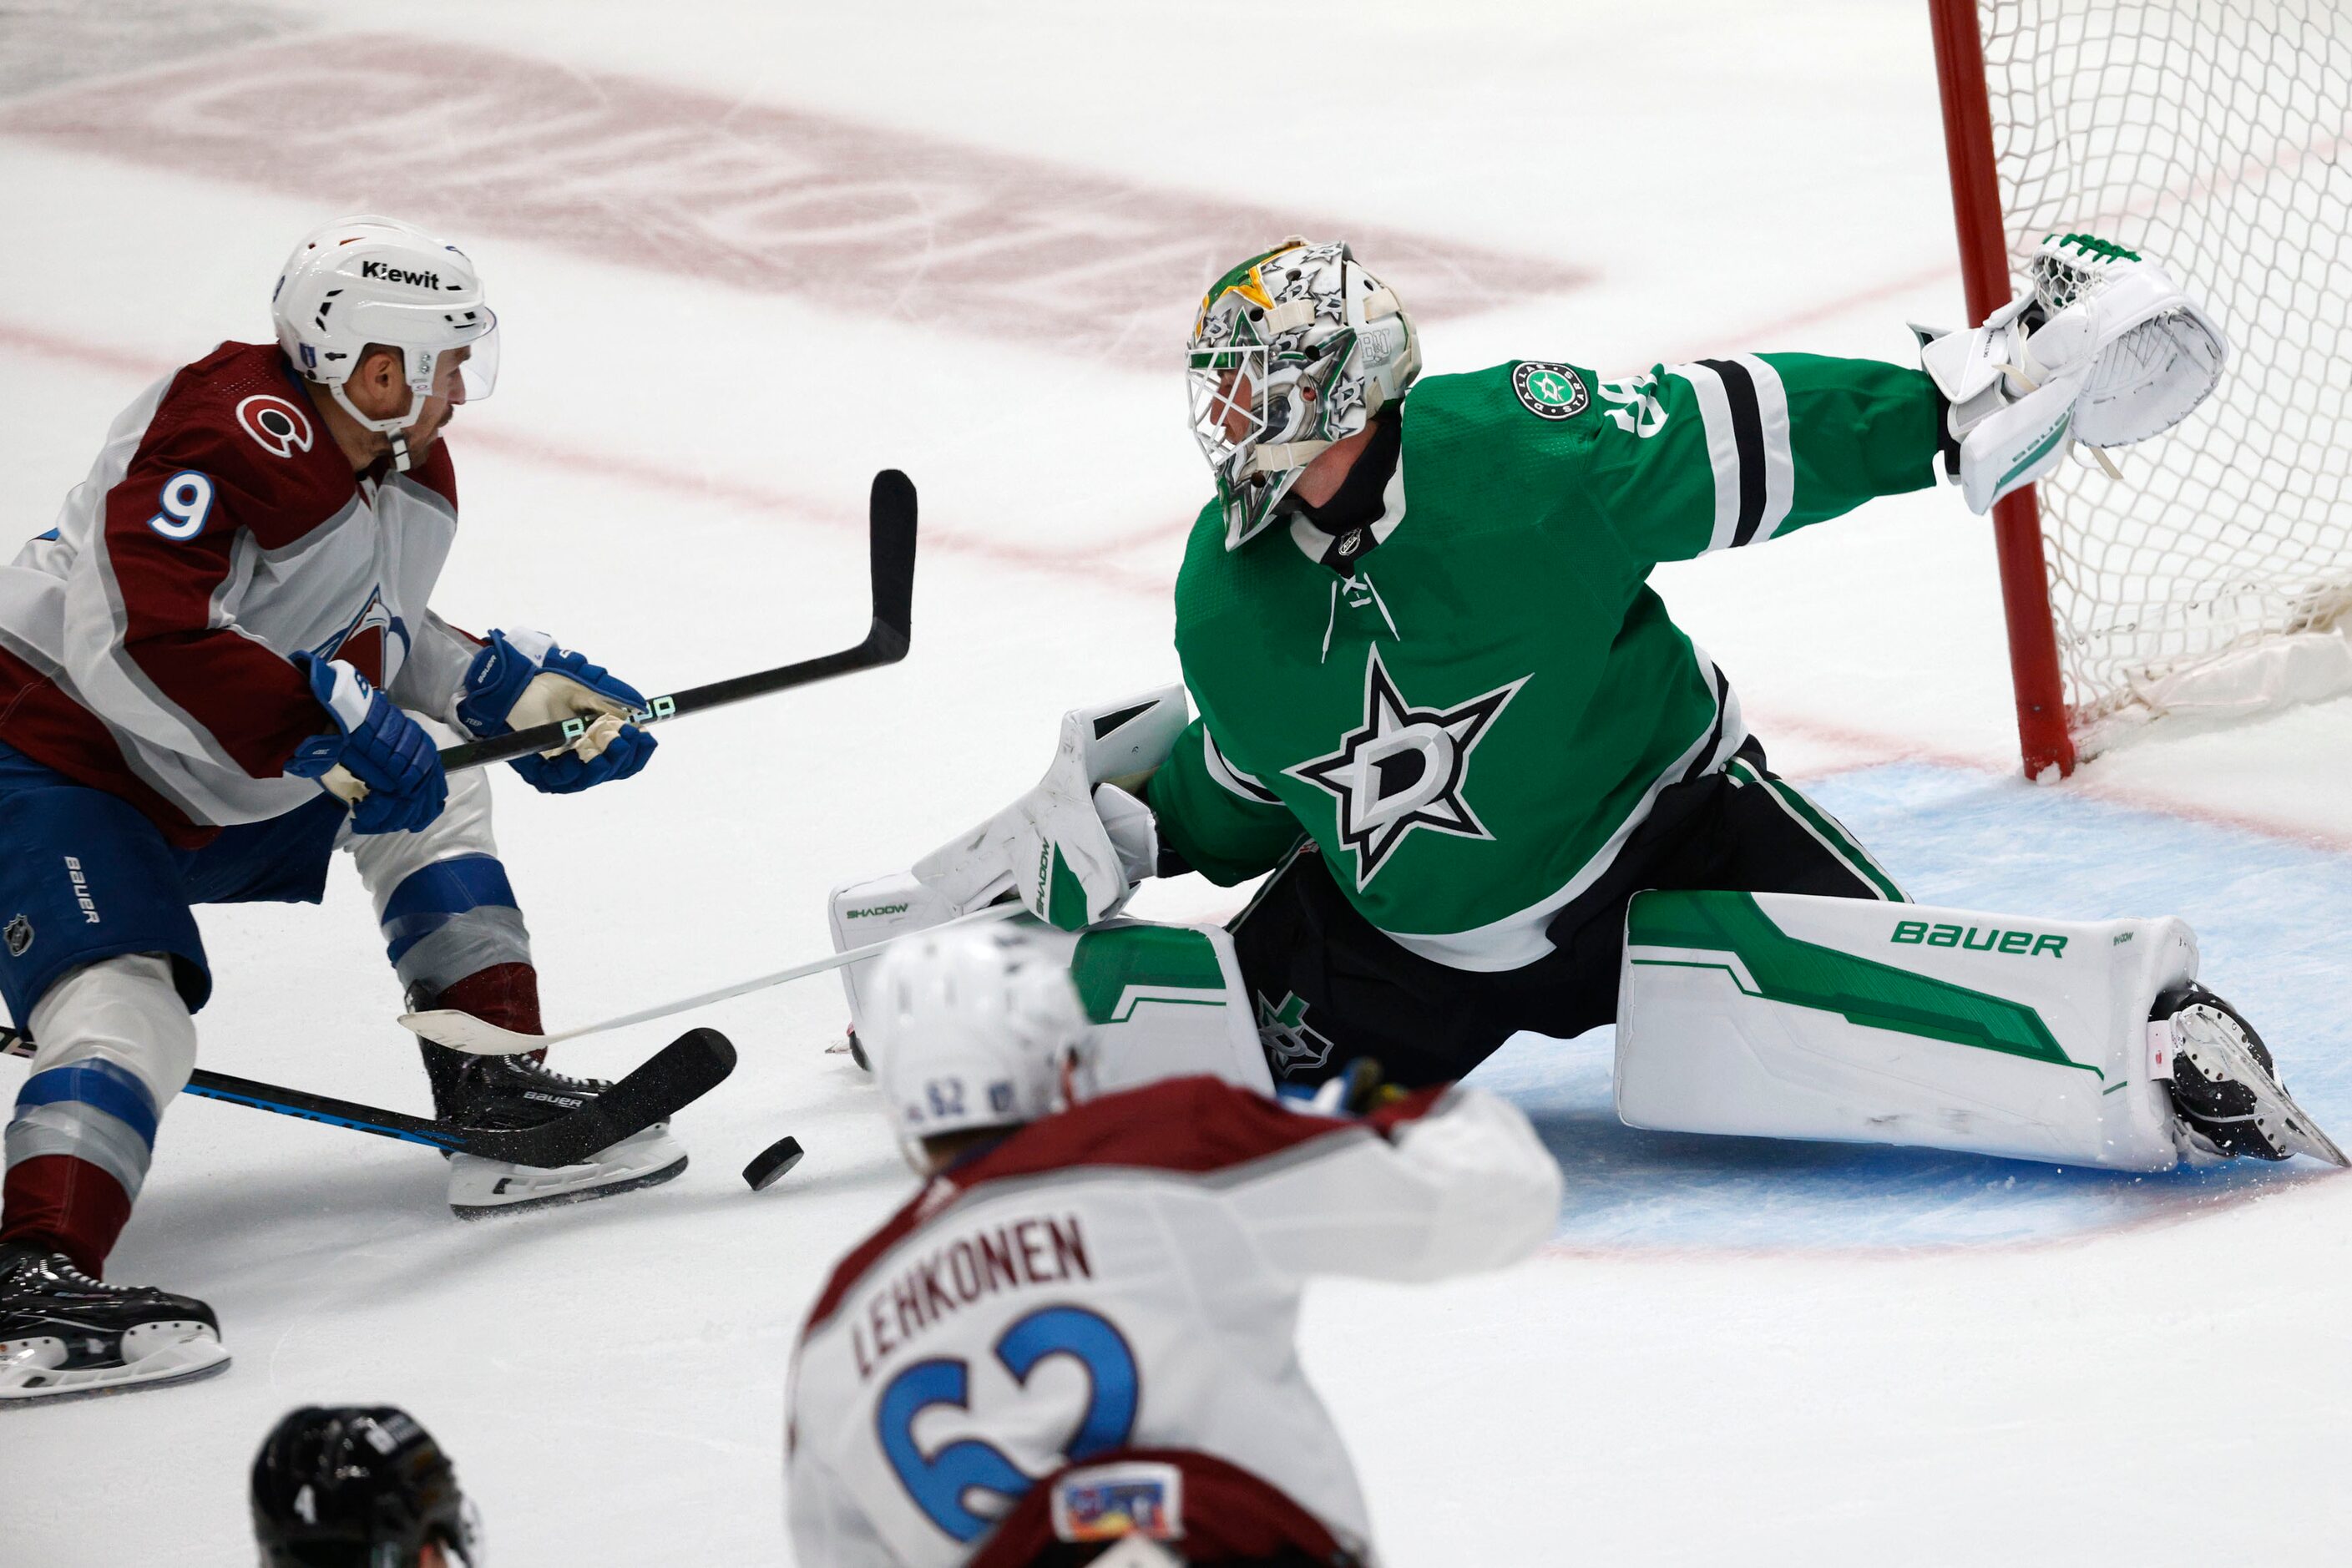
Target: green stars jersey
point(1470, 722)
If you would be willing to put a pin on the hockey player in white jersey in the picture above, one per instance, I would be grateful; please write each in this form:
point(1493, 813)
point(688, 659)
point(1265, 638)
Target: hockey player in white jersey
point(1108, 1285)
point(218, 666)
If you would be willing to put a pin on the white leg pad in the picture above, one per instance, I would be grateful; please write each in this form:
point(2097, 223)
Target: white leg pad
point(1785, 1017)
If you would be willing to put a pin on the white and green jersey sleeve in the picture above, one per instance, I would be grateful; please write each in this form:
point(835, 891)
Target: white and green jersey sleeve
point(1472, 721)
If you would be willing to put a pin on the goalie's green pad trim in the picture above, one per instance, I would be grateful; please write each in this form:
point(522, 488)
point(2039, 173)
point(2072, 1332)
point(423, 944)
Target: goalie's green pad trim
point(1766, 962)
point(1118, 968)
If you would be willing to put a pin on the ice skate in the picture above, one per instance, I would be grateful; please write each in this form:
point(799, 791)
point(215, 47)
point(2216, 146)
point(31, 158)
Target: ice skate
point(513, 1092)
point(2225, 1086)
point(63, 1335)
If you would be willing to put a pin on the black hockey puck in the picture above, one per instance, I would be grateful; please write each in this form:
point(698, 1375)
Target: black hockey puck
point(772, 1163)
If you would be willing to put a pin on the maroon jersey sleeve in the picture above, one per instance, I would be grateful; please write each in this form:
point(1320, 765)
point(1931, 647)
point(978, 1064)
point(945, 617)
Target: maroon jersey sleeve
point(170, 535)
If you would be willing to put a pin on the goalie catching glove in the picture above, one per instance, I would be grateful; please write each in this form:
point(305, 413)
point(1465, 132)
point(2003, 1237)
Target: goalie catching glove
point(2103, 349)
point(521, 680)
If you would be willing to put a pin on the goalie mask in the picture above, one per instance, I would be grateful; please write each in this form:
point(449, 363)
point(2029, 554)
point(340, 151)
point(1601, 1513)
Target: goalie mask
point(361, 281)
point(1292, 351)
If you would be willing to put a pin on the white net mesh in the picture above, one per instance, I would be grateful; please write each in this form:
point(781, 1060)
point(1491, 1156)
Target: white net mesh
point(2211, 135)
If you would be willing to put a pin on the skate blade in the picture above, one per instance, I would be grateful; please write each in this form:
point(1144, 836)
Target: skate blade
point(570, 1194)
point(189, 1360)
point(2280, 1118)
point(2304, 1136)
point(480, 1187)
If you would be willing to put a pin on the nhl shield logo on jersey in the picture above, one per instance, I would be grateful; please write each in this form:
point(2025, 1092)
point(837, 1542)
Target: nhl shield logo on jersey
point(1404, 768)
point(1549, 391)
point(19, 936)
point(282, 428)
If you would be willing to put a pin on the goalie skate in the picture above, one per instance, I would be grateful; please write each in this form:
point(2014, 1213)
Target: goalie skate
point(63, 1335)
point(2225, 1084)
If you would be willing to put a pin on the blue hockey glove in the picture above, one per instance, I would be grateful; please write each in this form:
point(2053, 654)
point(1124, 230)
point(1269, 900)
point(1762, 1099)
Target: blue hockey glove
point(378, 744)
point(522, 680)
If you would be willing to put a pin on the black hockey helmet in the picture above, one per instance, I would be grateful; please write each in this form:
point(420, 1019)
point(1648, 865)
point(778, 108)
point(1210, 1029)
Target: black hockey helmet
point(357, 1486)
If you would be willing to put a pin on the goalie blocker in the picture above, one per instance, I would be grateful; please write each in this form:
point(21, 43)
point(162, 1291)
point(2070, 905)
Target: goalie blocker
point(2075, 1043)
point(1165, 1000)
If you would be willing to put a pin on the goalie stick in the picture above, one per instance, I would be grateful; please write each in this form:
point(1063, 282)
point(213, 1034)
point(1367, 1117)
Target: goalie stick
point(665, 1083)
point(890, 544)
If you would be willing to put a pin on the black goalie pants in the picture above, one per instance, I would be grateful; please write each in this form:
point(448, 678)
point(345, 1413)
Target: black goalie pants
point(1329, 987)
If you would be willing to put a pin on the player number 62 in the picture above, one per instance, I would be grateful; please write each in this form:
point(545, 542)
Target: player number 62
point(940, 1480)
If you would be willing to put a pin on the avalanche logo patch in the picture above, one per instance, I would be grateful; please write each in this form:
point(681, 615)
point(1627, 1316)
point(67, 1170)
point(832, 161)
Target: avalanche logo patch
point(1549, 391)
point(280, 428)
point(367, 644)
point(1404, 768)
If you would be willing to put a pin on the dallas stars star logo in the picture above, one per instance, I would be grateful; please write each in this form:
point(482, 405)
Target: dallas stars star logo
point(1404, 768)
point(1286, 1036)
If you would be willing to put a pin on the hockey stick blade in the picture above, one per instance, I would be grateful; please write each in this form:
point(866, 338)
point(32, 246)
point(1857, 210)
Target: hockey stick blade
point(673, 1077)
point(464, 1032)
point(890, 551)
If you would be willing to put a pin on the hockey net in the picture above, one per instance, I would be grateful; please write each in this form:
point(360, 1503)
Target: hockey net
point(2210, 134)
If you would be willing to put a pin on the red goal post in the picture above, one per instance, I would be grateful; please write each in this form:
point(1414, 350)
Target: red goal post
point(2042, 729)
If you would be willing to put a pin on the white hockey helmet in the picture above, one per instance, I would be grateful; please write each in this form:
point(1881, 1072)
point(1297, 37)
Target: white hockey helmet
point(368, 279)
point(1292, 351)
point(972, 1027)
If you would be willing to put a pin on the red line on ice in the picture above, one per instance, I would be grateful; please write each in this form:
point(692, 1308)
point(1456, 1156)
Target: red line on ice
point(888, 225)
point(1875, 747)
point(1097, 566)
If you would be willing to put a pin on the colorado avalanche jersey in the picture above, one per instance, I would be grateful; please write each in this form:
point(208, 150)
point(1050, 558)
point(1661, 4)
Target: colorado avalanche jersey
point(1125, 1275)
point(145, 640)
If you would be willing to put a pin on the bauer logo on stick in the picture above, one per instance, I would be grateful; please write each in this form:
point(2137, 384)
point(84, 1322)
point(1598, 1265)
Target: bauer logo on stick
point(1549, 391)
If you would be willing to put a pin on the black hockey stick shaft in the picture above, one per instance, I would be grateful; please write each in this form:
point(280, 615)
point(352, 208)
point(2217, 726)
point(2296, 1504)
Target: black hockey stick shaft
point(891, 546)
point(671, 1078)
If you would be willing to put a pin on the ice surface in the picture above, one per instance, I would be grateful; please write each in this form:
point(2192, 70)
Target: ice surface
point(1737, 1352)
